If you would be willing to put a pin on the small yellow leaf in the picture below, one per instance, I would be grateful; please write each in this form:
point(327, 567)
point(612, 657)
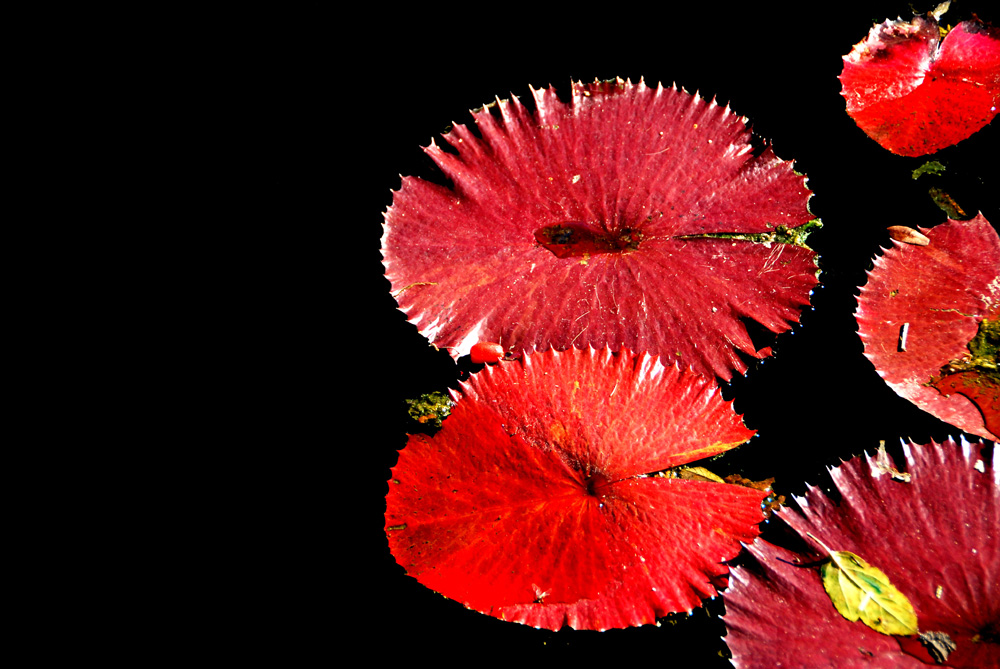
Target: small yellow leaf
point(861, 591)
point(698, 474)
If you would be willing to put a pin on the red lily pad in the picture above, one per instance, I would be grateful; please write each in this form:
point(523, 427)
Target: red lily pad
point(630, 217)
point(920, 313)
point(935, 537)
point(536, 501)
point(915, 94)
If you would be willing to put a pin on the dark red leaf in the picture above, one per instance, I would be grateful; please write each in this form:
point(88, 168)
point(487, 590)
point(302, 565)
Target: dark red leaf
point(915, 96)
point(533, 504)
point(935, 537)
point(921, 309)
point(630, 217)
point(983, 390)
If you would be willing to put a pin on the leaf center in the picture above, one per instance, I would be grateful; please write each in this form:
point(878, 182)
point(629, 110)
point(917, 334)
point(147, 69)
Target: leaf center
point(594, 484)
point(574, 239)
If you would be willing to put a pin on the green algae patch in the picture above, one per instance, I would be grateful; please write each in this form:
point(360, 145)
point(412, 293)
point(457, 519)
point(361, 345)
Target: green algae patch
point(930, 167)
point(982, 356)
point(430, 409)
point(976, 376)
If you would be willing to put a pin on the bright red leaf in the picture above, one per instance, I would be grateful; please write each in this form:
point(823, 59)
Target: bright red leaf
point(629, 217)
point(915, 94)
point(921, 312)
point(532, 503)
point(934, 535)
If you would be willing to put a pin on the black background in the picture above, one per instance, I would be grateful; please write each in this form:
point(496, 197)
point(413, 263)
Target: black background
point(415, 71)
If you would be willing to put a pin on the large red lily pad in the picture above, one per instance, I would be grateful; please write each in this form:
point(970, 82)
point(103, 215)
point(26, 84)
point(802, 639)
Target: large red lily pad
point(915, 94)
point(935, 535)
point(630, 217)
point(921, 309)
point(533, 502)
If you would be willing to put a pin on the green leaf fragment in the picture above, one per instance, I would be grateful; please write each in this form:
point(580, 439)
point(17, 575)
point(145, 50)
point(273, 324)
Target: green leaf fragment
point(860, 591)
point(930, 167)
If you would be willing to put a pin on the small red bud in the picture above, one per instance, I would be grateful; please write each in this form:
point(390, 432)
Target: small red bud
point(486, 352)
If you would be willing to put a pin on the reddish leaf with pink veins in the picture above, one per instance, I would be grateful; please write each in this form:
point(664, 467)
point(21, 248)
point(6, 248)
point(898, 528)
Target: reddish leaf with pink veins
point(934, 535)
point(915, 94)
point(929, 318)
point(629, 217)
point(533, 502)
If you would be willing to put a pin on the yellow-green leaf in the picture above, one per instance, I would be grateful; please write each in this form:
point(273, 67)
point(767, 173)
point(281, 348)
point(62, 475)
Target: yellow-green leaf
point(861, 591)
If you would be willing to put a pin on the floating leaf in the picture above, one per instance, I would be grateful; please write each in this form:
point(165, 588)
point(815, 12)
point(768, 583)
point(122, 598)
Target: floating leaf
point(630, 217)
point(915, 94)
point(936, 536)
point(539, 502)
point(924, 310)
point(861, 591)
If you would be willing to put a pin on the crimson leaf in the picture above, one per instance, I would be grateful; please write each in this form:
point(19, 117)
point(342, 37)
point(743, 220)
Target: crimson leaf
point(922, 313)
point(630, 217)
point(935, 537)
point(915, 94)
point(538, 501)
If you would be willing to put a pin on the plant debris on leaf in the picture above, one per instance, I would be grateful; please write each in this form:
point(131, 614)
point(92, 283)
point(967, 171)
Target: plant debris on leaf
point(860, 591)
point(928, 319)
point(914, 93)
point(934, 536)
point(630, 217)
point(939, 645)
point(538, 500)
